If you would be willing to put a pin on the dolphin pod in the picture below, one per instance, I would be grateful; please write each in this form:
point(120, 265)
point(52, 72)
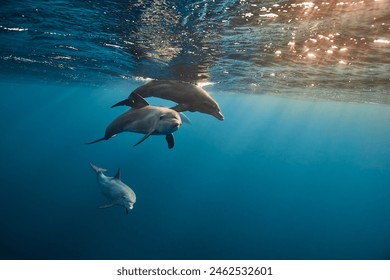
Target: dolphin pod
point(116, 192)
point(188, 96)
point(151, 120)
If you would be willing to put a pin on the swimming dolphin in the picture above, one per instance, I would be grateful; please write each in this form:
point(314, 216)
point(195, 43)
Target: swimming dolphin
point(188, 96)
point(145, 119)
point(117, 192)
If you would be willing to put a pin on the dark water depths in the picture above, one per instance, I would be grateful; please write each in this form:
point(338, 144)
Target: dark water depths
point(305, 177)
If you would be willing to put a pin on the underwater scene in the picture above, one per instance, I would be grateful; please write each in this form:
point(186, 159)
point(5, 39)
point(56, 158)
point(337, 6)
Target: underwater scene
point(243, 130)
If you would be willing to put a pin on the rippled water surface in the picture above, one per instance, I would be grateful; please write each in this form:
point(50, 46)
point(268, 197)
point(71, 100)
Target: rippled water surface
point(328, 49)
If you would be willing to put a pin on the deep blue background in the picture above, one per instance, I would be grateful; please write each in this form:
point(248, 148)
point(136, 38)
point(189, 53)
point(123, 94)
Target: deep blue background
point(277, 179)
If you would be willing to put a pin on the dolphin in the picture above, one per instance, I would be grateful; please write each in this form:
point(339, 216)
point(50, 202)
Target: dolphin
point(145, 119)
point(189, 97)
point(116, 192)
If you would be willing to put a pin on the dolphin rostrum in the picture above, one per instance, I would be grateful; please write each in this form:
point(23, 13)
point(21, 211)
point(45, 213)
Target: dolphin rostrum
point(145, 119)
point(116, 192)
point(188, 96)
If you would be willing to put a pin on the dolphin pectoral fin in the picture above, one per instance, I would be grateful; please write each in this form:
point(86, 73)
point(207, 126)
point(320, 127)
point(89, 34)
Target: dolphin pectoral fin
point(107, 205)
point(101, 139)
point(180, 108)
point(170, 140)
point(144, 138)
point(184, 118)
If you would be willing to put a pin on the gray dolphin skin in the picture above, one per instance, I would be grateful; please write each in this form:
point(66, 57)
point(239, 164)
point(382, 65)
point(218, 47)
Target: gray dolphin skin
point(116, 192)
point(188, 96)
point(145, 119)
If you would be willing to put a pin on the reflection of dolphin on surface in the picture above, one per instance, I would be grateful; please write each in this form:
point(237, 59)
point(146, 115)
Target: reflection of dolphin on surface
point(188, 96)
point(145, 119)
point(117, 192)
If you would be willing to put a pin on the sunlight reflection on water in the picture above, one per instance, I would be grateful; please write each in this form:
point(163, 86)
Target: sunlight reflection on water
point(253, 46)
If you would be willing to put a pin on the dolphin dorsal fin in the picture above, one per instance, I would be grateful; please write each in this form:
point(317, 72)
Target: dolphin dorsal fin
point(118, 174)
point(138, 101)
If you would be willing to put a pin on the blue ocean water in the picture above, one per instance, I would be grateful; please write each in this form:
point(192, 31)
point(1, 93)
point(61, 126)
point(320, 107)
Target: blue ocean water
point(299, 168)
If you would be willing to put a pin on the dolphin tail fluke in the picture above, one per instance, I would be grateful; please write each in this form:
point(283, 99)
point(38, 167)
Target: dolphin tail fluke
point(93, 142)
point(97, 169)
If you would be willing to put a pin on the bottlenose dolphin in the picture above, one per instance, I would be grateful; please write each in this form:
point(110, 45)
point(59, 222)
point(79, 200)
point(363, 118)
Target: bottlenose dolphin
point(188, 96)
point(145, 119)
point(116, 192)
